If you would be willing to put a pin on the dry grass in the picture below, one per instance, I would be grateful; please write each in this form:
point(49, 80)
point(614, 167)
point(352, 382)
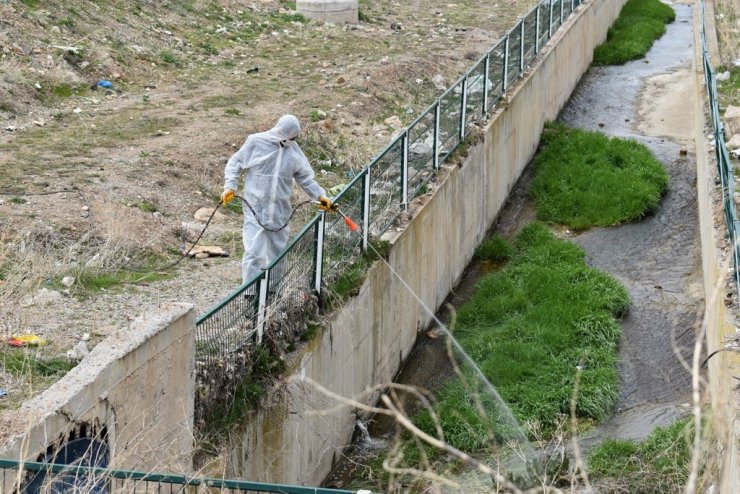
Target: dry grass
point(727, 21)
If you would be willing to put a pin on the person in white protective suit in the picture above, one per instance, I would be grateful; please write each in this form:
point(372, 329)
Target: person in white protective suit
point(270, 161)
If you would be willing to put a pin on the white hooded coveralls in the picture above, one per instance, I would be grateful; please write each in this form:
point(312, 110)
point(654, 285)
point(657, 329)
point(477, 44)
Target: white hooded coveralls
point(271, 161)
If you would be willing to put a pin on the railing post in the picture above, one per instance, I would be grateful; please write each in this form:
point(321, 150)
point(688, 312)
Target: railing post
point(485, 83)
point(262, 306)
point(463, 107)
point(366, 209)
point(572, 5)
point(549, 27)
point(561, 13)
point(521, 47)
point(537, 32)
point(435, 146)
point(319, 267)
point(405, 171)
point(505, 82)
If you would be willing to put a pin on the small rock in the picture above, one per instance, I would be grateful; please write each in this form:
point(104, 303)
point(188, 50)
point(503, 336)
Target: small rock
point(68, 281)
point(340, 80)
point(11, 128)
point(439, 82)
point(79, 351)
point(203, 214)
point(85, 337)
point(85, 208)
point(56, 30)
point(85, 214)
point(601, 124)
point(396, 26)
point(683, 152)
point(77, 110)
point(37, 85)
point(393, 121)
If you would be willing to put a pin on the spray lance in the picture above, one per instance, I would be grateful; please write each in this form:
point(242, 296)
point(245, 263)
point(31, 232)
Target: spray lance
point(334, 208)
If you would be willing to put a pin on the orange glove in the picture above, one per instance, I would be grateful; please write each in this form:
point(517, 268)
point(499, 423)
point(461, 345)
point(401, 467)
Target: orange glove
point(326, 204)
point(227, 196)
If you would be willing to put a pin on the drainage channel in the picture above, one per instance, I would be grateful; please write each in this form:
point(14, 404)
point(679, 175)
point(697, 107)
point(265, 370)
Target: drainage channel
point(658, 259)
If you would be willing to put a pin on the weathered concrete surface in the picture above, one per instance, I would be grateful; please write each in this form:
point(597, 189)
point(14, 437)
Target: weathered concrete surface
point(138, 385)
point(287, 441)
point(335, 11)
point(716, 263)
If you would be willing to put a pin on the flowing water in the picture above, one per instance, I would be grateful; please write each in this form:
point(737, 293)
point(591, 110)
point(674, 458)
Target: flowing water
point(658, 259)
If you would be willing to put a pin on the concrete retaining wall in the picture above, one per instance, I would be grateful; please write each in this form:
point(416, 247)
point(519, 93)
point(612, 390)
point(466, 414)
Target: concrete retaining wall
point(716, 264)
point(335, 11)
point(287, 440)
point(137, 386)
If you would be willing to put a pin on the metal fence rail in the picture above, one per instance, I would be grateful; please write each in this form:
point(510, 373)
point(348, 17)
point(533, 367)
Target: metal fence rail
point(375, 197)
point(724, 165)
point(37, 478)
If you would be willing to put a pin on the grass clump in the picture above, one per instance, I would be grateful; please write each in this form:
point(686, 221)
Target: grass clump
point(586, 179)
point(528, 327)
point(660, 463)
point(640, 23)
point(18, 362)
point(495, 248)
point(729, 90)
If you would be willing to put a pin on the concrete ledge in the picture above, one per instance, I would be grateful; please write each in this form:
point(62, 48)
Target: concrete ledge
point(335, 11)
point(136, 389)
point(716, 263)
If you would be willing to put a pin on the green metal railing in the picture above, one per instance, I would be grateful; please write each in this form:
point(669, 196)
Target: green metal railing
point(374, 198)
point(35, 478)
point(724, 165)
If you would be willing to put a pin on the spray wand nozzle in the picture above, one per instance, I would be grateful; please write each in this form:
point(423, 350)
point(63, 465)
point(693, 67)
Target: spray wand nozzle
point(347, 220)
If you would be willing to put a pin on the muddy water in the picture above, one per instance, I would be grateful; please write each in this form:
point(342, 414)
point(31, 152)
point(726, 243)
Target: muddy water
point(658, 259)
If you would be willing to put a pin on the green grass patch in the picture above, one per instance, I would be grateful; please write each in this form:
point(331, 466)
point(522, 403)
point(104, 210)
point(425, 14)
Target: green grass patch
point(18, 200)
point(232, 111)
point(585, 179)
point(729, 90)
point(640, 23)
point(170, 58)
point(31, 3)
point(20, 362)
point(660, 463)
point(494, 248)
point(528, 327)
point(147, 207)
point(95, 281)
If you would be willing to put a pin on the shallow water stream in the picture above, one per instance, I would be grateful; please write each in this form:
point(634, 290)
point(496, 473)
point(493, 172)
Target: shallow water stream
point(658, 259)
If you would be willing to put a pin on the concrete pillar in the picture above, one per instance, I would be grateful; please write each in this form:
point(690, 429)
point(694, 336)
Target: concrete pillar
point(335, 11)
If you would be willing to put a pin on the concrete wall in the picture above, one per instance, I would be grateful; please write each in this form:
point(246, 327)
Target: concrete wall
point(287, 440)
point(716, 263)
point(138, 385)
point(334, 11)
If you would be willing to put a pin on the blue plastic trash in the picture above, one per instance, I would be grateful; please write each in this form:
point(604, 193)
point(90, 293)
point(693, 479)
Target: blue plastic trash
point(3, 393)
point(105, 84)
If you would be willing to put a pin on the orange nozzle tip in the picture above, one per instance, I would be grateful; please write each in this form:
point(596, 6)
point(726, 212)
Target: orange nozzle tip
point(350, 224)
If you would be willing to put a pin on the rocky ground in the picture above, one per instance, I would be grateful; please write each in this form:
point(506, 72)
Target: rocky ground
point(99, 183)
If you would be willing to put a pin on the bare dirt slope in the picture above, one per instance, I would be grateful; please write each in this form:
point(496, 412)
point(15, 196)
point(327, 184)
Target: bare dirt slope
point(190, 79)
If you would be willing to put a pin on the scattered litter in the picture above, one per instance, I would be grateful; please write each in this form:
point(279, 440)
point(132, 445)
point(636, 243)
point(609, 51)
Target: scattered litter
point(683, 152)
point(77, 110)
point(334, 191)
point(209, 250)
point(26, 340)
point(11, 128)
point(3, 393)
point(724, 76)
point(85, 336)
point(105, 84)
point(252, 70)
point(39, 123)
point(37, 85)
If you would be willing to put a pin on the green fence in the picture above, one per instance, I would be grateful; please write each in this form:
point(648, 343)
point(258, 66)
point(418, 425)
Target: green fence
point(724, 165)
point(50, 478)
point(374, 199)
